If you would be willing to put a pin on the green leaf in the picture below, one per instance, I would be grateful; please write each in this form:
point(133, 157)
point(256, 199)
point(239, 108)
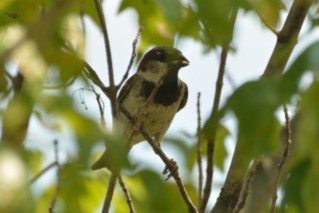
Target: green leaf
point(187, 151)
point(310, 189)
point(306, 61)
point(254, 105)
point(308, 131)
point(268, 10)
point(214, 15)
point(293, 186)
point(172, 9)
point(78, 191)
point(88, 7)
point(150, 193)
point(220, 153)
point(166, 19)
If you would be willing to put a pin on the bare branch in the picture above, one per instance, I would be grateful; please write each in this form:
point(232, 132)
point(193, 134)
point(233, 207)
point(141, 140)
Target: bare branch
point(101, 107)
point(35, 178)
point(127, 194)
point(199, 151)
point(246, 189)
point(113, 89)
point(109, 193)
point(211, 140)
point(132, 56)
point(285, 155)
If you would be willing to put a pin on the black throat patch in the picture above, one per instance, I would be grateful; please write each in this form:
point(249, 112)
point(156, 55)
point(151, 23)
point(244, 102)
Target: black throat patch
point(166, 94)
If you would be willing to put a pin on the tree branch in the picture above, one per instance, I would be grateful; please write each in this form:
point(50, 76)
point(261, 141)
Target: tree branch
point(285, 155)
point(43, 171)
point(127, 194)
point(199, 151)
point(113, 89)
point(214, 117)
point(139, 33)
point(286, 41)
point(109, 192)
point(287, 37)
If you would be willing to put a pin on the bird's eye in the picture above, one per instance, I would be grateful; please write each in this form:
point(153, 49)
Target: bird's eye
point(160, 55)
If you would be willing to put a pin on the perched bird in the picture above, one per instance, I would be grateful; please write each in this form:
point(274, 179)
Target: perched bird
point(160, 63)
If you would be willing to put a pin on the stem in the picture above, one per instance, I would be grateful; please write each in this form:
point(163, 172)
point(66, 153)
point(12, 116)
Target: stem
point(214, 120)
point(199, 151)
point(113, 89)
point(285, 155)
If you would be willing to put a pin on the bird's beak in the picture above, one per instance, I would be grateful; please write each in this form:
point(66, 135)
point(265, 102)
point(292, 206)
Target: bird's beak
point(184, 62)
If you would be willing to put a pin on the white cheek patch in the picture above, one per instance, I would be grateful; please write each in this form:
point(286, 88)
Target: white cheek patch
point(154, 71)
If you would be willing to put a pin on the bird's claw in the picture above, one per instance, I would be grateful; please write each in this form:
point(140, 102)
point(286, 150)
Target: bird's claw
point(171, 168)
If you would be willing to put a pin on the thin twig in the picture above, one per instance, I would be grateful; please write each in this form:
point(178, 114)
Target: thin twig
point(211, 140)
point(101, 107)
point(246, 190)
point(132, 56)
point(199, 151)
point(127, 194)
point(285, 155)
point(56, 155)
point(35, 178)
point(109, 193)
point(108, 56)
point(60, 86)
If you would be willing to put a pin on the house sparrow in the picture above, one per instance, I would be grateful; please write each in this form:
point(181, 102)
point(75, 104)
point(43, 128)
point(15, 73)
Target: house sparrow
point(171, 96)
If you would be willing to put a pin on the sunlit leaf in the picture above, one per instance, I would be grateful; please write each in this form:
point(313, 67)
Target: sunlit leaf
point(78, 191)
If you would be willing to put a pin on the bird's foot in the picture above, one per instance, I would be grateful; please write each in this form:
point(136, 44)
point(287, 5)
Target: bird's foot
point(170, 169)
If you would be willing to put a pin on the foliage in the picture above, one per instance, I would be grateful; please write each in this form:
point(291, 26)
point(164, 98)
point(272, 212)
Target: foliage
point(42, 65)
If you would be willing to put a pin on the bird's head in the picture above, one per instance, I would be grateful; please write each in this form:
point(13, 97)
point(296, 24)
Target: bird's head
point(161, 61)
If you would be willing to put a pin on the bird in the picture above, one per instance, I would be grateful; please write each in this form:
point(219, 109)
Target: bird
point(160, 63)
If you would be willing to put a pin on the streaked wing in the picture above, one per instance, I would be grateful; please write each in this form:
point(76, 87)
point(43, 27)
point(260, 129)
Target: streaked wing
point(126, 88)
